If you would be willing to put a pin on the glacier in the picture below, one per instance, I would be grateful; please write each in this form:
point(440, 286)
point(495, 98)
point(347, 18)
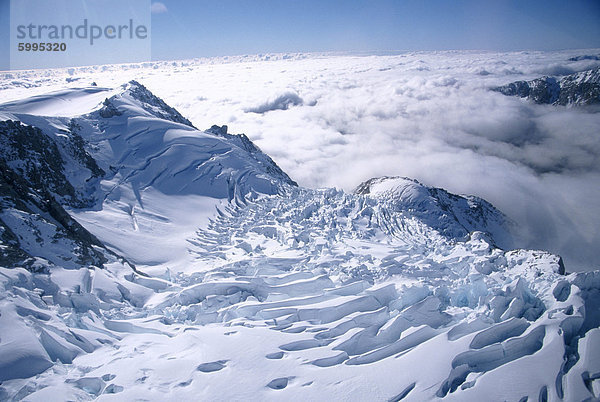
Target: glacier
point(142, 258)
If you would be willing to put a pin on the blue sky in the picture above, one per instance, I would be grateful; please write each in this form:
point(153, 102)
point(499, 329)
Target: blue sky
point(225, 27)
point(230, 27)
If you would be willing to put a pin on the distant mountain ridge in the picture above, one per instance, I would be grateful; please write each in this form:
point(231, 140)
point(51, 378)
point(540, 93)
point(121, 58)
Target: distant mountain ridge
point(577, 89)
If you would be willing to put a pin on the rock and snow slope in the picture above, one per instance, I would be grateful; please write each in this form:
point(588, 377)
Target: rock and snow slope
point(581, 88)
point(143, 149)
point(396, 291)
point(455, 216)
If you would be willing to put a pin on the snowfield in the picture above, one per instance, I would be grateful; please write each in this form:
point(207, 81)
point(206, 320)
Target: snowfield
point(144, 259)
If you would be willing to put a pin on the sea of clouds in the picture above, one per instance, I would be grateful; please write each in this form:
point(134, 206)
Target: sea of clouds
point(337, 120)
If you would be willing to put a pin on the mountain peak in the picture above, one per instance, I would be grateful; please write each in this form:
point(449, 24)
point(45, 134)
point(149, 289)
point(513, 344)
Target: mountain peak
point(133, 96)
point(454, 216)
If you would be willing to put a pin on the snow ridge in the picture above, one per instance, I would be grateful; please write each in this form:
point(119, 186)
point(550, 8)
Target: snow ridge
point(147, 100)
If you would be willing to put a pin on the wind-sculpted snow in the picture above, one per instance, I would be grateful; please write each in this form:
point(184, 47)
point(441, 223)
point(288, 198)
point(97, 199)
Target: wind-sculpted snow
point(137, 139)
point(108, 165)
point(130, 142)
point(154, 105)
point(395, 292)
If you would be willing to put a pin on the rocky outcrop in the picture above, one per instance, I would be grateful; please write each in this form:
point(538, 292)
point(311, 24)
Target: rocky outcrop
point(576, 89)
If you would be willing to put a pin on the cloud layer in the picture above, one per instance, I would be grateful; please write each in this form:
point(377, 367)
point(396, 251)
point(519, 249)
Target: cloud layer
point(338, 120)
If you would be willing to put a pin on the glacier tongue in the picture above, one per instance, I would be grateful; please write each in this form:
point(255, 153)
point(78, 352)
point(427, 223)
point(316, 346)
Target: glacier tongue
point(396, 291)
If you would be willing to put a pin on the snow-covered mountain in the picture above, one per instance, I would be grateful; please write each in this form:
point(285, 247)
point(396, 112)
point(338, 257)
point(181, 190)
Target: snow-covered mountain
point(145, 259)
point(452, 215)
point(581, 88)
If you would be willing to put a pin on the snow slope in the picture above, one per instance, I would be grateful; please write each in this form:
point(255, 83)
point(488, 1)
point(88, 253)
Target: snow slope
point(455, 216)
point(397, 291)
point(66, 103)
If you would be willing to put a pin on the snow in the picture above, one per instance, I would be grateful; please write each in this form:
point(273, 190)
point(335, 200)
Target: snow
point(21, 355)
point(153, 237)
point(248, 287)
point(64, 103)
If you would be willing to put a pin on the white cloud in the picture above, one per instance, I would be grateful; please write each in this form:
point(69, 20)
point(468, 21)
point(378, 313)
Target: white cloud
point(158, 8)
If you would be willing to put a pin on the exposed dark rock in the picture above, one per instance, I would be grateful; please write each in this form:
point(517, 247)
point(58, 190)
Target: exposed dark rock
point(585, 57)
point(109, 110)
point(32, 188)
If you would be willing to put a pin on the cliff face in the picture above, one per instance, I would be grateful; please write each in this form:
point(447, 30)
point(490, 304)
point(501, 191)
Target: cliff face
point(33, 190)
